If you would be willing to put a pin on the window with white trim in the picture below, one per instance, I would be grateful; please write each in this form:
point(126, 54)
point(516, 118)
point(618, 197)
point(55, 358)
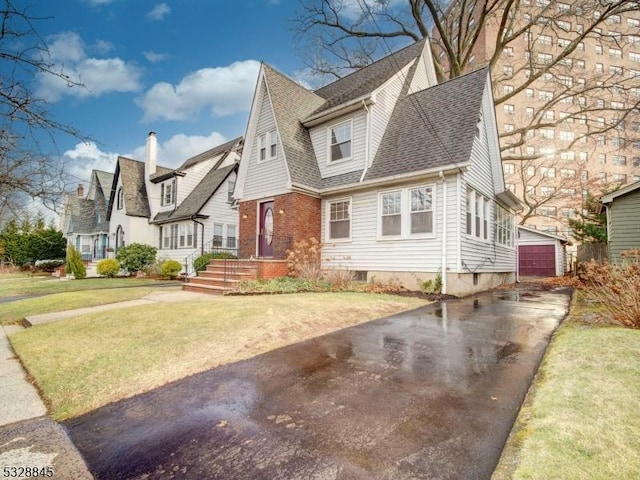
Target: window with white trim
point(406, 212)
point(185, 235)
point(267, 146)
point(231, 236)
point(505, 223)
point(168, 192)
point(477, 214)
point(340, 141)
point(339, 220)
point(218, 229)
point(391, 213)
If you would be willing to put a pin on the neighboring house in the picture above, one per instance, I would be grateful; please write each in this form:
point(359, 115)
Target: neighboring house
point(83, 221)
point(182, 212)
point(541, 254)
point(623, 220)
point(399, 177)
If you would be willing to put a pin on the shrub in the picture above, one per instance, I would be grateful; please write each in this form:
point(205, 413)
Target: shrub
point(74, 263)
point(136, 256)
point(170, 268)
point(108, 267)
point(339, 278)
point(303, 260)
point(201, 262)
point(49, 265)
point(616, 288)
point(432, 286)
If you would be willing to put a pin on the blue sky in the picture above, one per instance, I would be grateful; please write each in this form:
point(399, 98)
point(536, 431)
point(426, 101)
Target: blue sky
point(185, 69)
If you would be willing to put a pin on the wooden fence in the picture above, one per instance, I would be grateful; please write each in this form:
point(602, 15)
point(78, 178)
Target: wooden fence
point(592, 251)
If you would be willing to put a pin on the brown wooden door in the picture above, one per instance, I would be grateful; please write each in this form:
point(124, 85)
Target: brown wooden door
point(265, 238)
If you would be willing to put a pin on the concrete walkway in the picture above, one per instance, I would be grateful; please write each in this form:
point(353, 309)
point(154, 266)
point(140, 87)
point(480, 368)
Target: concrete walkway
point(28, 437)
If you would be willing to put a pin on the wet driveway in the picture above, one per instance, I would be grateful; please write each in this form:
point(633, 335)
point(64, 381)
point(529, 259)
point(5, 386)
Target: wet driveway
point(430, 393)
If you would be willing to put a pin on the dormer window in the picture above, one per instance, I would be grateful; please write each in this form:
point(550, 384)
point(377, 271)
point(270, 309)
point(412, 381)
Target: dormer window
point(340, 141)
point(267, 146)
point(168, 192)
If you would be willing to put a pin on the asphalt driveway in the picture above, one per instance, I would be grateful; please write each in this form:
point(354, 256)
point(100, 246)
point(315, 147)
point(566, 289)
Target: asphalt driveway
point(430, 393)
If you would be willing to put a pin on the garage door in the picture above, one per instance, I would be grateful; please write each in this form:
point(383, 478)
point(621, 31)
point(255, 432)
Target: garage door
point(537, 260)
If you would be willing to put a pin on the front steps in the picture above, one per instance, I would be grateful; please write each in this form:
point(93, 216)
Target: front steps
point(222, 276)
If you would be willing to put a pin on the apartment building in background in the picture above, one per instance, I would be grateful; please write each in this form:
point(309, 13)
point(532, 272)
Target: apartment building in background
point(587, 135)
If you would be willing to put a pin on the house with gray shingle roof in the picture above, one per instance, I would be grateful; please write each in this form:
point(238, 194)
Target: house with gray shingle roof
point(83, 220)
point(398, 176)
point(182, 212)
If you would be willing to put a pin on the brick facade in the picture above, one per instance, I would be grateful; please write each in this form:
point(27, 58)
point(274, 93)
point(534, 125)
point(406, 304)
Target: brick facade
point(297, 217)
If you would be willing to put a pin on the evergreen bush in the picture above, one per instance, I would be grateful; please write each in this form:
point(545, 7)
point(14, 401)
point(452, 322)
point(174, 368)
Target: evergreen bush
point(75, 265)
point(170, 268)
point(108, 267)
point(136, 256)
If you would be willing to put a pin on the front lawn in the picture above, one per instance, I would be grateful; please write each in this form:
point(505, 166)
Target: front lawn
point(12, 312)
point(581, 419)
point(85, 362)
point(19, 284)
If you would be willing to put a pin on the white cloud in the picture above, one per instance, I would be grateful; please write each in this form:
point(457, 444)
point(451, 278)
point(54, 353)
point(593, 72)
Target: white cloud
point(98, 75)
point(159, 12)
point(221, 90)
point(154, 57)
point(173, 152)
point(85, 157)
point(97, 3)
point(103, 47)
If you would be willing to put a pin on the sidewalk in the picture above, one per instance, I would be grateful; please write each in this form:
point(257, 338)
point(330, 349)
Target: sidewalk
point(28, 437)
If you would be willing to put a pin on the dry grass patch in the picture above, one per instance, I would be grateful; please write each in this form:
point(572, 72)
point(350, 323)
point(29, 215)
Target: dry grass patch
point(582, 417)
point(18, 284)
point(86, 362)
point(13, 312)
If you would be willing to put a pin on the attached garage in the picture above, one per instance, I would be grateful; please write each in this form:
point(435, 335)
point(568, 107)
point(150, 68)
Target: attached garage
point(540, 254)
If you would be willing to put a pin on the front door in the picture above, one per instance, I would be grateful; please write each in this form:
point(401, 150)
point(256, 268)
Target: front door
point(265, 230)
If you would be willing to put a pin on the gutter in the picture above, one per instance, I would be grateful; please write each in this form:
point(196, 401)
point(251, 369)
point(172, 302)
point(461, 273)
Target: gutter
point(337, 111)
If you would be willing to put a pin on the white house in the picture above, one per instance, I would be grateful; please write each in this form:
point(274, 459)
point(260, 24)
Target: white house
point(541, 254)
point(182, 212)
point(400, 177)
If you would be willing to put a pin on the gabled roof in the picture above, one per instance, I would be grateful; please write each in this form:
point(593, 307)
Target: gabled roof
point(432, 128)
point(225, 149)
point(81, 212)
point(367, 79)
point(620, 192)
point(136, 202)
point(198, 197)
point(104, 181)
point(291, 103)
point(562, 240)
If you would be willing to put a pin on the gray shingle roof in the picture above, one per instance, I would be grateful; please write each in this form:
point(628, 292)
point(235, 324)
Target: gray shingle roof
point(198, 196)
point(431, 128)
point(291, 103)
point(136, 203)
point(225, 148)
point(82, 213)
point(367, 79)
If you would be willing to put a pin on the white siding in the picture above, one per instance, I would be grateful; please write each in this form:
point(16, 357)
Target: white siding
point(320, 141)
point(381, 112)
point(219, 211)
point(366, 252)
point(193, 176)
point(479, 255)
point(420, 79)
point(269, 177)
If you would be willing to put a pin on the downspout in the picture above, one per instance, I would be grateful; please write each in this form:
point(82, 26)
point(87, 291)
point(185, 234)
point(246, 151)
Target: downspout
point(193, 219)
point(444, 233)
point(366, 141)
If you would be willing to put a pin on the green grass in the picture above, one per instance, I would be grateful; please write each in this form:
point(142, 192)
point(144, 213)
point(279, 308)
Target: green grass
point(16, 311)
point(581, 419)
point(19, 284)
point(84, 362)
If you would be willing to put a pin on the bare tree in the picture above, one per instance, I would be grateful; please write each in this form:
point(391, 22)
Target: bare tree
point(526, 43)
point(27, 130)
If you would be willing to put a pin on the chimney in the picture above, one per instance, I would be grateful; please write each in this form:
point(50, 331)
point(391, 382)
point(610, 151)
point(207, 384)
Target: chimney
point(151, 154)
point(80, 191)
